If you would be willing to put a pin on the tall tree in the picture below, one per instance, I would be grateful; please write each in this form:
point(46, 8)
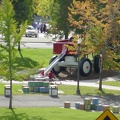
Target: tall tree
point(42, 8)
point(8, 27)
point(99, 22)
point(59, 15)
point(24, 10)
point(57, 11)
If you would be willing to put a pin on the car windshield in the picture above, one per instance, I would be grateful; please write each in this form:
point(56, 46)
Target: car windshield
point(30, 28)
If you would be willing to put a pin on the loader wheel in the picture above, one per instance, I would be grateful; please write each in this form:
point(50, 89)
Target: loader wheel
point(85, 67)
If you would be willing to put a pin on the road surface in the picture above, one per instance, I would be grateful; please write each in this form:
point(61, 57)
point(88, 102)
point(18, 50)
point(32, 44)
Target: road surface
point(31, 42)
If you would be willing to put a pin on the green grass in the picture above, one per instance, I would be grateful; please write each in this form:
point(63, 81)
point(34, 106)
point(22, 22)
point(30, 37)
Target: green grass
point(71, 89)
point(17, 89)
point(67, 89)
point(34, 57)
point(112, 83)
point(32, 60)
point(51, 113)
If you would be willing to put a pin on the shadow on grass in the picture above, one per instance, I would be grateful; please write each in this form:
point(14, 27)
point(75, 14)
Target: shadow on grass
point(26, 62)
point(107, 98)
point(21, 116)
point(102, 93)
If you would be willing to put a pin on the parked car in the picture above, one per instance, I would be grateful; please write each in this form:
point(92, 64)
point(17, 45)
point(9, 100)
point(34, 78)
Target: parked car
point(31, 31)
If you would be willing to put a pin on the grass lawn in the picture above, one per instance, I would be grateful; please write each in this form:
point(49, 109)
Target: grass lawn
point(51, 113)
point(35, 55)
point(29, 63)
point(112, 83)
point(67, 89)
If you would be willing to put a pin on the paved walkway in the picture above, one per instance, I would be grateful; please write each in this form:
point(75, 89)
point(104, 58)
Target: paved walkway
point(90, 83)
point(37, 100)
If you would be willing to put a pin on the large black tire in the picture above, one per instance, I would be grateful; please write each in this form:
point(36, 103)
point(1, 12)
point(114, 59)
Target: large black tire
point(56, 69)
point(85, 67)
point(96, 64)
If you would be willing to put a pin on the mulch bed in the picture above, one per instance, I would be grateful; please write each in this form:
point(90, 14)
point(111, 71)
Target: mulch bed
point(72, 75)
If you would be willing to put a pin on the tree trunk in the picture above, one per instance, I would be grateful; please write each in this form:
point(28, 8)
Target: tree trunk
point(10, 102)
point(10, 75)
point(101, 70)
point(100, 82)
point(19, 49)
point(19, 46)
point(21, 54)
point(66, 35)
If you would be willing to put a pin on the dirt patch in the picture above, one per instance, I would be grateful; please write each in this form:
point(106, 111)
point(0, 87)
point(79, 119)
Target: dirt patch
point(72, 75)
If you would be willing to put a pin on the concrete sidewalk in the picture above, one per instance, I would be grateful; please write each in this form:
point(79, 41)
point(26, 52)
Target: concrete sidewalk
point(89, 83)
point(92, 83)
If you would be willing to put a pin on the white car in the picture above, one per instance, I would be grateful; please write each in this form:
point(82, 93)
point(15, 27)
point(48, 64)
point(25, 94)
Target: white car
point(31, 31)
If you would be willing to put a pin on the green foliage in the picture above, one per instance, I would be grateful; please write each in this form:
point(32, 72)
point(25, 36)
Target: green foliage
point(59, 15)
point(99, 21)
point(8, 27)
point(42, 8)
point(24, 10)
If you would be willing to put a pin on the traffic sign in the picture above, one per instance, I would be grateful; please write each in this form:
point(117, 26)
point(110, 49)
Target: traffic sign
point(107, 115)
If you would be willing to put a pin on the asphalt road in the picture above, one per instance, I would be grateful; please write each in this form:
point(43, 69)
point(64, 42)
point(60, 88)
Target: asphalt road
point(37, 100)
point(36, 45)
point(32, 42)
